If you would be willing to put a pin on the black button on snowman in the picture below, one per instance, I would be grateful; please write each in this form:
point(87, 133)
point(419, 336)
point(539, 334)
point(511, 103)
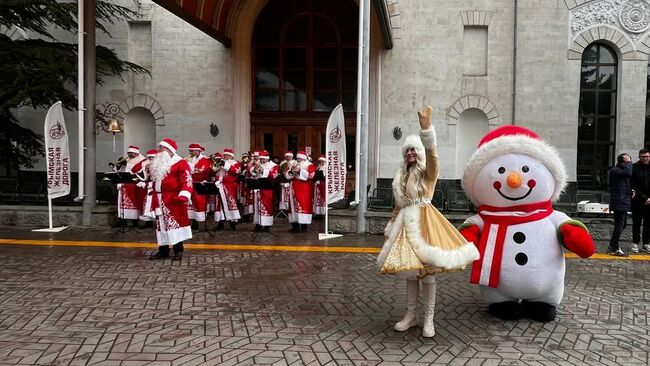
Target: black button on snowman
point(520, 238)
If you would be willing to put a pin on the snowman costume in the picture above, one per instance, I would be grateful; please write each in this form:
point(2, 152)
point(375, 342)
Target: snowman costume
point(513, 178)
point(420, 242)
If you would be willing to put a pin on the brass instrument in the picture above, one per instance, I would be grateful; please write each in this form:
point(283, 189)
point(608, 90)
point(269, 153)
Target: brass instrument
point(188, 158)
point(293, 169)
point(255, 169)
point(246, 158)
point(119, 164)
point(218, 163)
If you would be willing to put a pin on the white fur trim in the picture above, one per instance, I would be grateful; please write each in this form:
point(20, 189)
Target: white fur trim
point(409, 217)
point(165, 144)
point(132, 150)
point(428, 138)
point(185, 194)
point(229, 154)
point(415, 142)
point(517, 144)
point(171, 237)
point(301, 156)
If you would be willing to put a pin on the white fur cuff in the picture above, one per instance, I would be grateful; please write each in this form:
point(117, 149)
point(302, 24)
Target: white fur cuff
point(428, 137)
point(186, 194)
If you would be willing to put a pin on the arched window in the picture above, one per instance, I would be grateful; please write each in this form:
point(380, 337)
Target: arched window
point(305, 56)
point(597, 116)
point(646, 138)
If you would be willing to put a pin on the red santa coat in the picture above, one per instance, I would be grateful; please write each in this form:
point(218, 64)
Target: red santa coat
point(302, 194)
point(201, 171)
point(146, 214)
point(285, 190)
point(319, 194)
point(173, 225)
point(130, 197)
point(228, 192)
point(263, 204)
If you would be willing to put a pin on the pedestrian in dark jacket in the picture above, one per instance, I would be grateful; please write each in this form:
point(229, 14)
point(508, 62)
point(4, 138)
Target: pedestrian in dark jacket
point(620, 202)
point(641, 202)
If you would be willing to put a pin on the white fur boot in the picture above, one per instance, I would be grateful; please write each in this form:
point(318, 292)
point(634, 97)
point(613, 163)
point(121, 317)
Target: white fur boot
point(428, 329)
point(411, 317)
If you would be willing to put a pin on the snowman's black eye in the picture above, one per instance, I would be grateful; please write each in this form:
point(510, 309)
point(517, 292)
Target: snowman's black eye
point(502, 170)
point(525, 168)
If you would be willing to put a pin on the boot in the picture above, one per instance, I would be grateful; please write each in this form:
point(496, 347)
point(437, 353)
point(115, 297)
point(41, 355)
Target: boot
point(295, 227)
point(258, 228)
point(119, 223)
point(162, 253)
point(303, 228)
point(411, 317)
point(233, 225)
point(135, 223)
point(266, 228)
point(148, 225)
point(428, 329)
point(195, 225)
point(178, 251)
point(220, 225)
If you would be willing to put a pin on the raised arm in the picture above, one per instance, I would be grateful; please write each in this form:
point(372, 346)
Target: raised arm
point(428, 137)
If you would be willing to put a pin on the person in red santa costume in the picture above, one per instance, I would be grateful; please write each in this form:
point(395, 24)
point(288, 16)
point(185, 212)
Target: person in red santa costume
point(201, 172)
point(215, 200)
point(285, 184)
point(172, 190)
point(319, 186)
point(249, 199)
point(130, 197)
point(147, 215)
point(228, 185)
point(513, 178)
point(264, 172)
point(302, 193)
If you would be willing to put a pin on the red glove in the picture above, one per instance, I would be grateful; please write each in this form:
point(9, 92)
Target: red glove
point(471, 233)
point(575, 237)
point(180, 200)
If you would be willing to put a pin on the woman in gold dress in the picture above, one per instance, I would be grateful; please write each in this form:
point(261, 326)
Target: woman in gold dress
point(420, 242)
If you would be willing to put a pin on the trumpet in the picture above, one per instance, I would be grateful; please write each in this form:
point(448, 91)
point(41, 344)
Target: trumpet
point(246, 158)
point(255, 169)
point(188, 158)
point(119, 164)
point(293, 169)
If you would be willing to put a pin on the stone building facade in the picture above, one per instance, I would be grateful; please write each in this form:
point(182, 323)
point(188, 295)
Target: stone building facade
point(575, 71)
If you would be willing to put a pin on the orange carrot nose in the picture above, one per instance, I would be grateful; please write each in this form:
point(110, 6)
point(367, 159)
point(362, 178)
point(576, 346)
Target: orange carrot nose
point(514, 180)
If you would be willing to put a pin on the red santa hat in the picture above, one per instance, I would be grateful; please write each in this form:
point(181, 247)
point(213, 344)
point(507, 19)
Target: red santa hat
point(229, 152)
point(133, 149)
point(322, 158)
point(301, 155)
point(264, 154)
point(169, 144)
point(514, 140)
point(151, 153)
point(288, 153)
point(218, 155)
point(256, 153)
point(195, 147)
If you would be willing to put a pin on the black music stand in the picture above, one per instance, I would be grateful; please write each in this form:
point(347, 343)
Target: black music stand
point(206, 189)
point(121, 178)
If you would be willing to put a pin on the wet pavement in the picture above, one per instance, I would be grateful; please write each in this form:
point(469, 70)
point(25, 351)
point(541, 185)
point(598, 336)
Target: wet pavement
point(112, 306)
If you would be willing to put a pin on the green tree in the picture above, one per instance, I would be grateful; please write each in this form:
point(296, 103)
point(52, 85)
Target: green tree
point(38, 72)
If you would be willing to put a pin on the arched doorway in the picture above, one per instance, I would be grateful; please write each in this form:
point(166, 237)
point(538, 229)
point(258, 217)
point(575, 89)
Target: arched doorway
point(304, 55)
point(139, 129)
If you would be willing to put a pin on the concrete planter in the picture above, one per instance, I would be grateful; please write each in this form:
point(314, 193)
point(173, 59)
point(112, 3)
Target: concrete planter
point(27, 215)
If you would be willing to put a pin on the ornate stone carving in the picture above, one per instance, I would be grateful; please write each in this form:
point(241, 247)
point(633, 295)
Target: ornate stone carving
point(630, 17)
point(635, 16)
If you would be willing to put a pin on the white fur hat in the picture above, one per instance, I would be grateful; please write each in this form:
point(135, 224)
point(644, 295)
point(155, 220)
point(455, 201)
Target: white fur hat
point(413, 141)
point(514, 140)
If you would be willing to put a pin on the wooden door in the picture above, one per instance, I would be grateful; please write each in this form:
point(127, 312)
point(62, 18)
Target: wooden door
point(278, 139)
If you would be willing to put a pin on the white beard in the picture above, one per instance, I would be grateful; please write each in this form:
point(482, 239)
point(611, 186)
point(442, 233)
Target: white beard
point(160, 165)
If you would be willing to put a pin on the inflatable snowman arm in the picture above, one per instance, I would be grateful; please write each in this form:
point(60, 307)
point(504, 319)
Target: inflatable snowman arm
point(471, 229)
point(574, 236)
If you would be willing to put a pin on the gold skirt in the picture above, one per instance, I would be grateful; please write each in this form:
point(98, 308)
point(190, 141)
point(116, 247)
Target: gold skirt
point(436, 231)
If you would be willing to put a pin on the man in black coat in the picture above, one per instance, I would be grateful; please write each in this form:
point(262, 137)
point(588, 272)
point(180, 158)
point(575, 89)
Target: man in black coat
point(641, 202)
point(621, 196)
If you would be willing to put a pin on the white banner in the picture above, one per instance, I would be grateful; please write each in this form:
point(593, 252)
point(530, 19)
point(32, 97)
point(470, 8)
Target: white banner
point(336, 160)
point(57, 153)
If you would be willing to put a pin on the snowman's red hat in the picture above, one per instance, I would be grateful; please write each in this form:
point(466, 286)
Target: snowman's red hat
point(514, 140)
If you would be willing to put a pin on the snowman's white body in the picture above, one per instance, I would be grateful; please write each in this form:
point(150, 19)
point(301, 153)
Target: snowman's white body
point(541, 276)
